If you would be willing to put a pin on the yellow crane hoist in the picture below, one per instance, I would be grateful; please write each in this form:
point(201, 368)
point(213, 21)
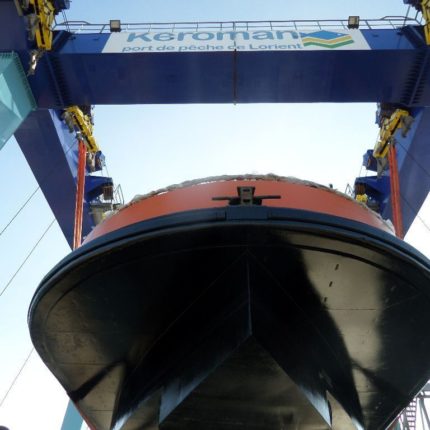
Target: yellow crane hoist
point(425, 9)
point(399, 119)
point(40, 22)
point(80, 123)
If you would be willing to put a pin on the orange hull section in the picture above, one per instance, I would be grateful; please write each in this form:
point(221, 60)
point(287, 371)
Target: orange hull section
point(293, 195)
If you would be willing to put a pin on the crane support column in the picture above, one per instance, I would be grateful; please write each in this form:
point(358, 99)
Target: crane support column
point(395, 192)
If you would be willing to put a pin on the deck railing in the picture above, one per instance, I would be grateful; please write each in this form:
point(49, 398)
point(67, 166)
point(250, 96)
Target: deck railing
point(387, 22)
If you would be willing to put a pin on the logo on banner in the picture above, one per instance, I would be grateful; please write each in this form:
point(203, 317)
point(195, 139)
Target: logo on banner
point(326, 39)
point(235, 40)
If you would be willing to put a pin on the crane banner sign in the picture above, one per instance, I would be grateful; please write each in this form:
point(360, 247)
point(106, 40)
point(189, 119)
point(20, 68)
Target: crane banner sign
point(235, 40)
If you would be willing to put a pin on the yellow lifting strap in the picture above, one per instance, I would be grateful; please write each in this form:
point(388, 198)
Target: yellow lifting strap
point(425, 8)
point(75, 117)
point(398, 120)
point(44, 11)
point(362, 198)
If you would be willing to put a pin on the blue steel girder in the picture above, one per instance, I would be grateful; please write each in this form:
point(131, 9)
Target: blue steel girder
point(13, 33)
point(51, 151)
point(393, 67)
point(395, 70)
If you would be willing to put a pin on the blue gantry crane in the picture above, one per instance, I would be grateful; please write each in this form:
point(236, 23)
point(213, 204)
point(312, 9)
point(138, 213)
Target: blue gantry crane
point(387, 62)
point(51, 75)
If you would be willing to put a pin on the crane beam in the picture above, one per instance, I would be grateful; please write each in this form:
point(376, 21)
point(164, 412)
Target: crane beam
point(248, 64)
point(102, 70)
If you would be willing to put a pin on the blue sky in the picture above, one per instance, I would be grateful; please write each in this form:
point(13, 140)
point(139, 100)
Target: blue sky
point(148, 147)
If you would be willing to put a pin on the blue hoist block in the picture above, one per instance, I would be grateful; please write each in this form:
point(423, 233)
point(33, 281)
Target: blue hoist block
point(16, 98)
point(415, 3)
point(61, 5)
